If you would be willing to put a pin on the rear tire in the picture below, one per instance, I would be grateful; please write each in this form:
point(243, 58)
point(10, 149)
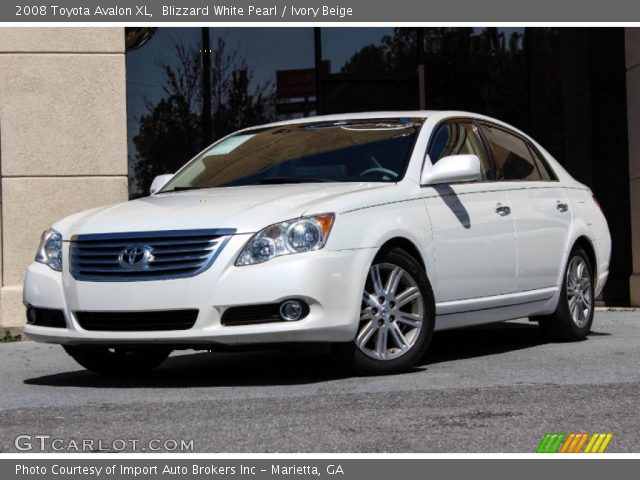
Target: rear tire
point(573, 317)
point(126, 361)
point(396, 317)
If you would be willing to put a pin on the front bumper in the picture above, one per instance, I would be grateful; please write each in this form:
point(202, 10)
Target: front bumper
point(331, 282)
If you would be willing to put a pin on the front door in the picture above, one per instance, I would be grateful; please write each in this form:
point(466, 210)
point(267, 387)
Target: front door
point(473, 229)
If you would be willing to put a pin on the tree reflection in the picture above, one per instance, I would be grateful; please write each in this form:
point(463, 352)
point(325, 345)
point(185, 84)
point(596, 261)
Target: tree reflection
point(171, 131)
point(466, 69)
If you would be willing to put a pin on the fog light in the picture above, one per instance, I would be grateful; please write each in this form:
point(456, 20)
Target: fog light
point(31, 315)
point(292, 310)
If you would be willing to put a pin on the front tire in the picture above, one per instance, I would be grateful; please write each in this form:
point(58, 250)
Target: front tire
point(117, 360)
point(573, 317)
point(396, 317)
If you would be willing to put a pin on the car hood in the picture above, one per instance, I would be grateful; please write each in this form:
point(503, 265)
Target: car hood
point(246, 209)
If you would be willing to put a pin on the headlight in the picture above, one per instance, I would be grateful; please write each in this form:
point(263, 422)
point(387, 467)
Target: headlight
point(293, 236)
point(50, 250)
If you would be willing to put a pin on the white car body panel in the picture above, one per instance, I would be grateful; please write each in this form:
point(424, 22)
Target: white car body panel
point(540, 229)
point(249, 208)
point(469, 241)
point(494, 269)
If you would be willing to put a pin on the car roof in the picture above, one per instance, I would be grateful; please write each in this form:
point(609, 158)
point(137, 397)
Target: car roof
point(435, 115)
point(421, 114)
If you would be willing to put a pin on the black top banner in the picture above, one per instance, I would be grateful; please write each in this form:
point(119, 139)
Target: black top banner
point(338, 11)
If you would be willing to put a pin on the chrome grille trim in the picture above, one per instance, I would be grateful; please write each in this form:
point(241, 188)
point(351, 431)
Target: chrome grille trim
point(175, 254)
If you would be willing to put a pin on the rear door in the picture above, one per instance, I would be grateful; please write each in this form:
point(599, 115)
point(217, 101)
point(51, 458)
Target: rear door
point(473, 231)
point(540, 209)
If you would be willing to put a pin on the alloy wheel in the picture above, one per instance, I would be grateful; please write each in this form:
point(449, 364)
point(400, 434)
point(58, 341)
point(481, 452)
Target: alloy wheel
point(392, 313)
point(579, 291)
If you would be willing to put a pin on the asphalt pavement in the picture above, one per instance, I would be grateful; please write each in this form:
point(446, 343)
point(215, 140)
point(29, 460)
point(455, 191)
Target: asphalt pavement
point(495, 388)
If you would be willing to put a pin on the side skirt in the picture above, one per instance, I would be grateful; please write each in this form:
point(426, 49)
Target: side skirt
point(498, 308)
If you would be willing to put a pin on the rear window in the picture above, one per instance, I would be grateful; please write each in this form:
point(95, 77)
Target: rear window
point(513, 157)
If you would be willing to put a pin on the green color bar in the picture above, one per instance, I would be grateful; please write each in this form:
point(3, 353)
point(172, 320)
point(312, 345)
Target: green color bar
point(543, 443)
point(551, 443)
point(556, 446)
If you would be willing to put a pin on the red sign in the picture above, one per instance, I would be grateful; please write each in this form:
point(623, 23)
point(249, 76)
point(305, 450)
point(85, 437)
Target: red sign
point(296, 83)
point(299, 82)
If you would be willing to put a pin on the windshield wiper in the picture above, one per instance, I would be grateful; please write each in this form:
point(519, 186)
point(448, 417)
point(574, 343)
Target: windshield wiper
point(276, 180)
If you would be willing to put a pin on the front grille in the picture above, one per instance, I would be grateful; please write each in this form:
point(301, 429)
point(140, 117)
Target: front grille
point(126, 257)
point(137, 321)
point(46, 317)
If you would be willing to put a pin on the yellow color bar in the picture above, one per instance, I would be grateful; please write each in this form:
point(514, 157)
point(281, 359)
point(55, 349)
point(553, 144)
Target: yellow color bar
point(593, 439)
point(596, 445)
point(605, 442)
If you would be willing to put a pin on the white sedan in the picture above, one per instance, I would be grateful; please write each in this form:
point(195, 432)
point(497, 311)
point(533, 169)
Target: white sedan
point(365, 232)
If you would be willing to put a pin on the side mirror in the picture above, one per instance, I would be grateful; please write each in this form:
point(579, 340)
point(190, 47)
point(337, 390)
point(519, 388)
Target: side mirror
point(452, 169)
point(159, 182)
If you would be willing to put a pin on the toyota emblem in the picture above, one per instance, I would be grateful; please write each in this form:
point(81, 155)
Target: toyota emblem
point(135, 256)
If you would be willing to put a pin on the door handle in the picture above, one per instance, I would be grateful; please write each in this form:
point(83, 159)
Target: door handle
point(562, 207)
point(503, 210)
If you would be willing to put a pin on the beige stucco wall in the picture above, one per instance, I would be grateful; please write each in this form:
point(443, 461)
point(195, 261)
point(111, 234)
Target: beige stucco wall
point(63, 138)
point(633, 112)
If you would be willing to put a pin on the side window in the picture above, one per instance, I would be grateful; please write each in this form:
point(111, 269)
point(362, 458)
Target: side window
point(545, 170)
point(511, 154)
point(459, 138)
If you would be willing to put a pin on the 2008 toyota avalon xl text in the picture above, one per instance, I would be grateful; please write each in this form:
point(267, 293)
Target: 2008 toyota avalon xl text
point(363, 231)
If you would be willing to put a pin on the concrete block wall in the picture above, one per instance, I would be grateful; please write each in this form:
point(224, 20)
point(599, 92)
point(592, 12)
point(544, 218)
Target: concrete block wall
point(63, 138)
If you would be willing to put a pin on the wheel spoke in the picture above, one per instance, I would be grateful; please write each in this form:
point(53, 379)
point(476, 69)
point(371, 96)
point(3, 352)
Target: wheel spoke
point(376, 280)
point(573, 273)
point(398, 337)
point(366, 314)
point(586, 299)
point(575, 311)
point(580, 271)
point(381, 343)
point(365, 333)
point(369, 299)
point(394, 279)
point(409, 295)
point(411, 319)
point(572, 302)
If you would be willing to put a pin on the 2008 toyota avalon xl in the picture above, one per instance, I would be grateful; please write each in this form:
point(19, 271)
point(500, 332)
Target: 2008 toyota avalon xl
point(366, 232)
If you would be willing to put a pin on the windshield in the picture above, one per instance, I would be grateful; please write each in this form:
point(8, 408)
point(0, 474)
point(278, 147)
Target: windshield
point(353, 151)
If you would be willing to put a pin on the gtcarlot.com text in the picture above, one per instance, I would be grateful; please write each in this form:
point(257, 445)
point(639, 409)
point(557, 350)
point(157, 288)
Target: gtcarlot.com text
point(49, 443)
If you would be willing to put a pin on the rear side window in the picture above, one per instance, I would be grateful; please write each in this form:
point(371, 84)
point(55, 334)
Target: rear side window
point(512, 156)
point(545, 170)
point(458, 138)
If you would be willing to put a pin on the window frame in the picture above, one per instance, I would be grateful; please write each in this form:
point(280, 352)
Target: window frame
point(478, 133)
point(537, 155)
point(539, 161)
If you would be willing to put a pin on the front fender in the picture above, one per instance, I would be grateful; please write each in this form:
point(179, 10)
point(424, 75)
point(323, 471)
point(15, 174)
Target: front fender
point(372, 227)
